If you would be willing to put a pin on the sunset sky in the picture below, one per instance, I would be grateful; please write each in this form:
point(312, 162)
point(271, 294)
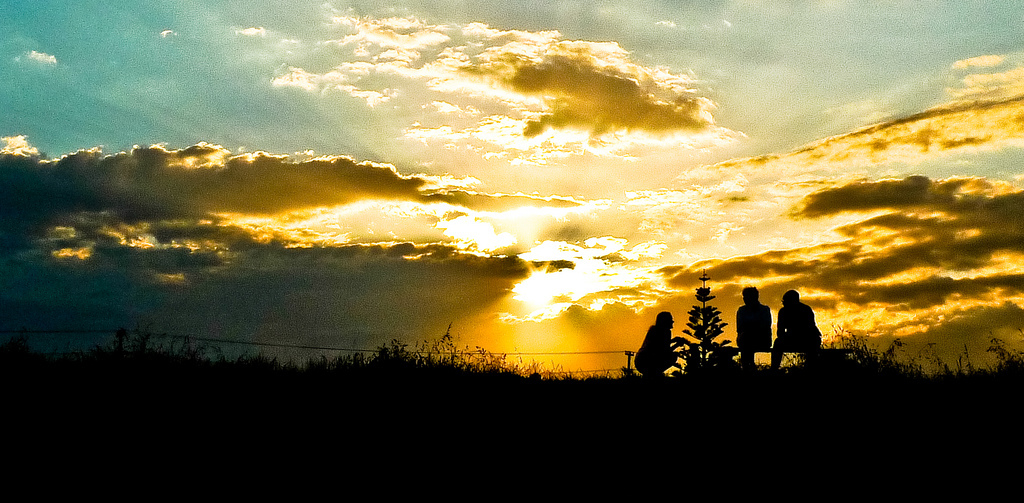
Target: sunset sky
point(544, 176)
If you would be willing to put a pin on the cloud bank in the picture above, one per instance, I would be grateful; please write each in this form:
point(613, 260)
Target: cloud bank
point(533, 95)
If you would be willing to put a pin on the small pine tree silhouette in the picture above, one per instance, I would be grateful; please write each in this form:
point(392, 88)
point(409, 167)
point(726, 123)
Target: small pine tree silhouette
point(704, 325)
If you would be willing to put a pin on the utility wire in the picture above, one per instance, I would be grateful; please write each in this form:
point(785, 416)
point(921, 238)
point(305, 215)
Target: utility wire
point(302, 346)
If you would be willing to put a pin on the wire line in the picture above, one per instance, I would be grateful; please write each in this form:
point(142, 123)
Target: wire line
point(303, 346)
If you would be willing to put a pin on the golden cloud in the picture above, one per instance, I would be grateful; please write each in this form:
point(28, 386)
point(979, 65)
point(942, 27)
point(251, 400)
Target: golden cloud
point(594, 86)
point(392, 33)
point(982, 61)
point(964, 126)
point(18, 145)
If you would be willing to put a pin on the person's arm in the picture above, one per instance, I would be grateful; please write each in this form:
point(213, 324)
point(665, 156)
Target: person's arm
point(813, 330)
point(766, 315)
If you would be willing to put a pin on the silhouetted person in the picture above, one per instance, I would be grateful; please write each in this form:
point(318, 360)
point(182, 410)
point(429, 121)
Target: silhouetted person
point(753, 327)
point(797, 332)
point(655, 355)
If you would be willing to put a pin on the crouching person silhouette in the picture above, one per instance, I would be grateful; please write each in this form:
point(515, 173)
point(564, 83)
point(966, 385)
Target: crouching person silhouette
point(797, 332)
point(655, 355)
point(753, 327)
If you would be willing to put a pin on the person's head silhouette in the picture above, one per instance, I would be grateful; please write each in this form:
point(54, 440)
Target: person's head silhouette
point(750, 296)
point(790, 298)
point(664, 319)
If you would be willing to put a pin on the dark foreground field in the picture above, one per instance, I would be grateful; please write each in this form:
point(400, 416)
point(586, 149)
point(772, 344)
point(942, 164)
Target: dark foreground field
point(166, 416)
point(404, 389)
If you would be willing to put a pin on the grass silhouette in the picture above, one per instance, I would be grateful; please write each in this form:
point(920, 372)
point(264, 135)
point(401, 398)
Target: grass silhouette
point(437, 397)
point(138, 355)
point(139, 361)
point(402, 385)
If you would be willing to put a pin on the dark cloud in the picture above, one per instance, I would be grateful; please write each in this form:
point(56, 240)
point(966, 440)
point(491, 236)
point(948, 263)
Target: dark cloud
point(154, 183)
point(914, 192)
point(166, 192)
point(958, 223)
point(349, 296)
point(359, 296)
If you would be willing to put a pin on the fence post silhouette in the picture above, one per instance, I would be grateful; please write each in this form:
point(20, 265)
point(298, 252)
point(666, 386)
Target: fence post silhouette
point(121, 334)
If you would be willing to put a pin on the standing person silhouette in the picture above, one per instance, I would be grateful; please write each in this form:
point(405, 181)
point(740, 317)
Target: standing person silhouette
point(797, 331)
point(753, 327)
point(655, 355)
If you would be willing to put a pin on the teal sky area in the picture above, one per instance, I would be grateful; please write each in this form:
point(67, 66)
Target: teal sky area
point(534, 173)
point(781, 72)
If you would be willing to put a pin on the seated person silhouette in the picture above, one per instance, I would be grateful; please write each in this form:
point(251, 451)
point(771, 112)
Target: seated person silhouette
point(655, 355)
point(797, 332)
point(753, 327)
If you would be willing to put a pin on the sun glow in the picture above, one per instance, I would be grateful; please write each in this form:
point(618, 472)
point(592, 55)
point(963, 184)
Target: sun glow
point(541, 288)
point(599, 275)
point(469, 232)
